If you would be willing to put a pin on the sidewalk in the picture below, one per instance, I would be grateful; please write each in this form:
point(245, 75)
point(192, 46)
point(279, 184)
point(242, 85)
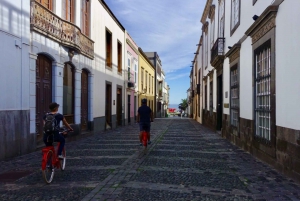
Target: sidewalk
point(186, 161)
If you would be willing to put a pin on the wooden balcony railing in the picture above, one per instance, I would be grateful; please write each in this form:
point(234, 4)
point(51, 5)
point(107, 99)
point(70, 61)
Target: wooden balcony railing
point(217, 51)
point(47, 23)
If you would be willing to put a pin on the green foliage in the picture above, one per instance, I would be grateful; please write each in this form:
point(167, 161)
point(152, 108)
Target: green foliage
point(183, 105)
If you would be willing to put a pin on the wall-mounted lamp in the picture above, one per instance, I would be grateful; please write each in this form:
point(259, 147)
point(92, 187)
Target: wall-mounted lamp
point(196, 53)
point(255, 17)
point(193, 61)
point(192, 66)
point(229, 47)
point(197, 44)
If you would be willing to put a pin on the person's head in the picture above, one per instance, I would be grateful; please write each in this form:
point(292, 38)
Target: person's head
point(144, 101)
point(53, 107)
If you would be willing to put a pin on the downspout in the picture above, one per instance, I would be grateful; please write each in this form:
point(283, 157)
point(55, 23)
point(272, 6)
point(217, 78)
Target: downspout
point(125, 53)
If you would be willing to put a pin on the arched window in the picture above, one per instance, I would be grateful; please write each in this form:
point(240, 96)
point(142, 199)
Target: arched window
point(68, 93)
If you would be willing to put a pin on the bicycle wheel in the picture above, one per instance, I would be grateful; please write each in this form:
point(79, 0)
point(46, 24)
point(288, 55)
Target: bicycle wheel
point(63, 161)
point(48, 172)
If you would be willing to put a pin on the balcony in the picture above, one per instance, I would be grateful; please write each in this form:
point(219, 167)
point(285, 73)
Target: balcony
point(130, 78)
point(217, 52)
point(47, 23)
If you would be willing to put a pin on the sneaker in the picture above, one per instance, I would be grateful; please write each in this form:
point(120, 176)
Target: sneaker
point(149, 142)
point(60, 156)
point(141, 144)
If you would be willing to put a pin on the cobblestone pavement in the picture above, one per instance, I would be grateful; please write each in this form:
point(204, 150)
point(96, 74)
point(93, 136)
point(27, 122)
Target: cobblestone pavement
point(185, 161)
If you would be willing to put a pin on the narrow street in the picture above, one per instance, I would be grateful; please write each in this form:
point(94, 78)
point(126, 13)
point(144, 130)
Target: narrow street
point(186, 161)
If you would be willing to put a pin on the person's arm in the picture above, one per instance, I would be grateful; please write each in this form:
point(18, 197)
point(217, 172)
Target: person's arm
point(66, 124)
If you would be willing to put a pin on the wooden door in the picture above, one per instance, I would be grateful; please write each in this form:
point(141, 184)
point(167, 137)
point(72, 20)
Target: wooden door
point(84, 100)
point(119, 106)
point(43, 92)
point(108, 105)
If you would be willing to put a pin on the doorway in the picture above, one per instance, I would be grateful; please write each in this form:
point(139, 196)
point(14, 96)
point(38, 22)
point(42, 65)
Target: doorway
point(108, 106)
point(119, 106)
point(84, 100)
point(128, 108)
point(43, 92)
point(219, 102)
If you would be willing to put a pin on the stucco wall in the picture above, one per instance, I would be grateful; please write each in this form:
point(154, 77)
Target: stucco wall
point(100, 22)
point(287, 65)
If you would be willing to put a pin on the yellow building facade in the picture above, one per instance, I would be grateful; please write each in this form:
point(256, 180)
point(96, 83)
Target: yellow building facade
point(146, 80)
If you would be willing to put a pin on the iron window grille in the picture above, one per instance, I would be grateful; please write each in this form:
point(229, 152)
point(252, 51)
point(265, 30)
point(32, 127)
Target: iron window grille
point(263, 91)
point(234, 97)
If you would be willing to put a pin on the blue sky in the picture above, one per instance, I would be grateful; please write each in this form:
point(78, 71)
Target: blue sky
point(172, 28)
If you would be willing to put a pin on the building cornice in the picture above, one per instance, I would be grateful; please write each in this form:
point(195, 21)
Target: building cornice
point(111, 14)
point(234, 52)
point(132, 46)
point(264, 23)
point(206, 11)
point(145, 56)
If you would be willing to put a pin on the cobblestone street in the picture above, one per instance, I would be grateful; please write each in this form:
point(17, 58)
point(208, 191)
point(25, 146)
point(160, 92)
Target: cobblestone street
point(185, 161)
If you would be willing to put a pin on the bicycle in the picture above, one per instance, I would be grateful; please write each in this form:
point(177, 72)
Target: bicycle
point(50, 161)
point(145, 140)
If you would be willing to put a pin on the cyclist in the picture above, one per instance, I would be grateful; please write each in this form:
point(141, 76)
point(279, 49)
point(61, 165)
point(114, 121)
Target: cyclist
point(57, 137)
point(144, 117)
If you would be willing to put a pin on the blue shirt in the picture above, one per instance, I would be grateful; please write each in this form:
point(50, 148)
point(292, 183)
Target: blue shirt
point(145, 113)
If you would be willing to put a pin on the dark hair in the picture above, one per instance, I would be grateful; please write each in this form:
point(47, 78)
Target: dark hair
point(144, 100)
point(53, 105)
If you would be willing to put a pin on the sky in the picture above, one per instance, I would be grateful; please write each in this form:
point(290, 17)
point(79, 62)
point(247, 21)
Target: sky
point(172, 28)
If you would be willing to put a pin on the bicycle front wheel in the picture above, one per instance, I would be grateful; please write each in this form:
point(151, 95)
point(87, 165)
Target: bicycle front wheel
point(63, 161)
point(48, 172)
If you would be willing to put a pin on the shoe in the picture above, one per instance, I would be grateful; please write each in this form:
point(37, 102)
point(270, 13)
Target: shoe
point(149, 142)
point(60, 156)
point(141, 144)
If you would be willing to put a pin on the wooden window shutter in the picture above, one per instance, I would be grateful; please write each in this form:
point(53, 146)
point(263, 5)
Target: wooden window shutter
point(64, 9)
point(85, 16)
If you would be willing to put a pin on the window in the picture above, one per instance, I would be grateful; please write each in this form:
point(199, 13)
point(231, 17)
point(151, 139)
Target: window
point(212, 33)
point(263, 90)
point(206, 51)
point(142, 79)
point(221, 18)
point(68, 9)
point(85, 17)
point(234, 96)
point(146, 82)
point(47, 4)
point(149, 82)
point(152, 84)
point(68, 93)
point(128, 67)
point(119, 57)
point(135, 69)
point(108, 48)
point(235, 15)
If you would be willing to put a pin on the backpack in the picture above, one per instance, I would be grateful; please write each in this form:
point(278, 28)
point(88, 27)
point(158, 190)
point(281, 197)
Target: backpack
point(50, 125)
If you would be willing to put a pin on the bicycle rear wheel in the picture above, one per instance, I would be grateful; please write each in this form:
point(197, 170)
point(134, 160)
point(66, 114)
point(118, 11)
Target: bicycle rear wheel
point(63, 161)
point(48, 172)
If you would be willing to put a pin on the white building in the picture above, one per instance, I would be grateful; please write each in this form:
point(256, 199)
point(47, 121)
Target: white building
point(49, 52)
point(109, 35)
point(250, 56)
